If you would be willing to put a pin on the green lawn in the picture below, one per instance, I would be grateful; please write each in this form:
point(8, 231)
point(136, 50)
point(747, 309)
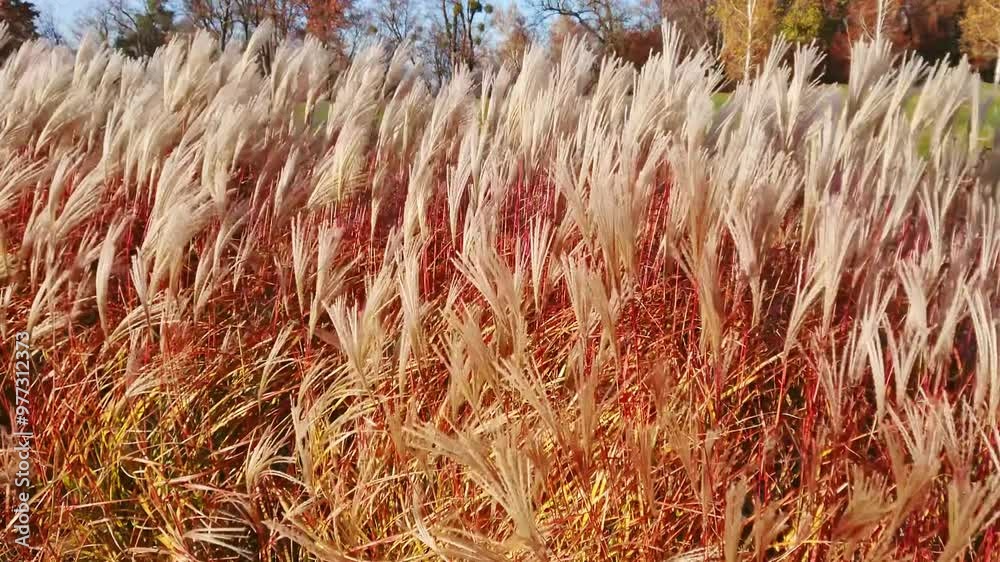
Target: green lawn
point(989, 119)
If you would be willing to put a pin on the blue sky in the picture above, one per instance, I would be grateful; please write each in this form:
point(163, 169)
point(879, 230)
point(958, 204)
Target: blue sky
point(64, 12)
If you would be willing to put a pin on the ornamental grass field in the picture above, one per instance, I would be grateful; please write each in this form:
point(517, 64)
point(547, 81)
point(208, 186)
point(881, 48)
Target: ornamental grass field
point(573, 312)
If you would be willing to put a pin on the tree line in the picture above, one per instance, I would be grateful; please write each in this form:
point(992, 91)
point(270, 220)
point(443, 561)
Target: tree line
point(474, 33)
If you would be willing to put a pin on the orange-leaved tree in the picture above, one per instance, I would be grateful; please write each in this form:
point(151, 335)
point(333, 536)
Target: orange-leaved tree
point(981, 33)
point(325, 19)
point(748, 27)
point(514, 35)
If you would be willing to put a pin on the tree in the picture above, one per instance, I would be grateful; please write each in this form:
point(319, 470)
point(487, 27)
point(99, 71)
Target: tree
point(463, 29)
point(230, 20)
point(981, 34)
point(19, 15)
point(218, 17)
point(395, 21)
point(638, 44)
point(803, 21)
point(933, 27)
point(888, 19)
point(97, 20)
point(694, 17)
point(748, 28)
point(148, 29)
point(286, 15)
point(563, 30)
point(514, 36)
point(630, 31)
point(642, 36)
point(434, 49)
point(357, 31)
point(137, 29)
point(48, 29)
point(325, 19)
point(604, 20)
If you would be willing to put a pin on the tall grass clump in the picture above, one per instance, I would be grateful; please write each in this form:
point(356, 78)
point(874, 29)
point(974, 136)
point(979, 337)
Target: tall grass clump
point(568, 313)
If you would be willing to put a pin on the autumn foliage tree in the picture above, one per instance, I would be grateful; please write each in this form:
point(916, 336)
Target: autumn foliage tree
point(638, 44)
point(514, 35)
point(928, 28)
point(803, 21)
point(934, 27)
point(748, 28)
point(326, 18)
point(981, 33)
point(562, 31)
